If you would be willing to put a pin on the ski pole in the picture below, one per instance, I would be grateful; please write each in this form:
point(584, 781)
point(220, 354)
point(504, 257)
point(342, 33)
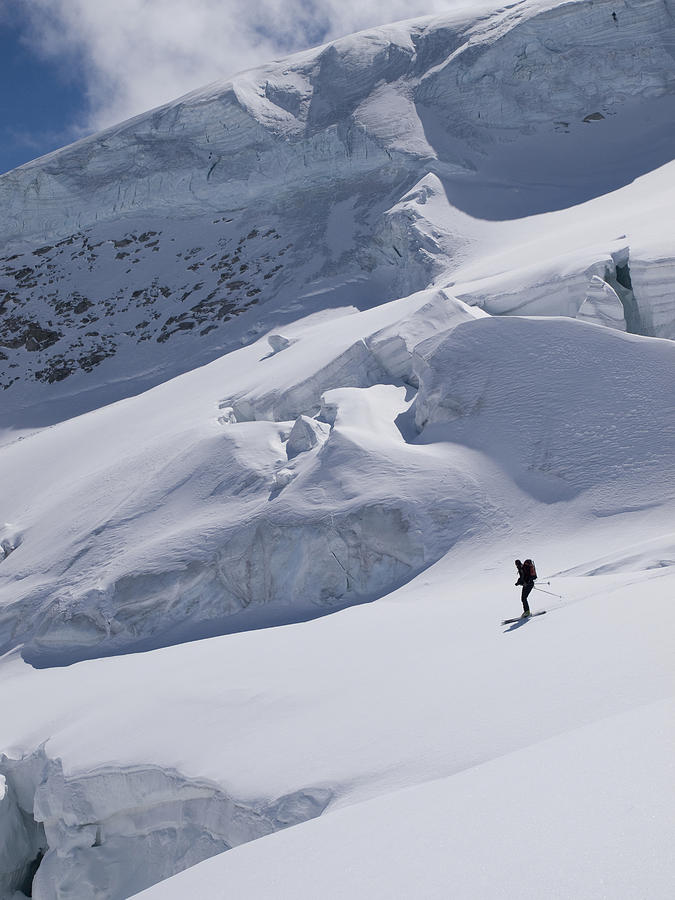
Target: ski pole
point(550, 593)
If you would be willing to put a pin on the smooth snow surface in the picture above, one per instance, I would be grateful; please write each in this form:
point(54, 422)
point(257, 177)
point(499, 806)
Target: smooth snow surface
point(294, 368)
point(508, 828)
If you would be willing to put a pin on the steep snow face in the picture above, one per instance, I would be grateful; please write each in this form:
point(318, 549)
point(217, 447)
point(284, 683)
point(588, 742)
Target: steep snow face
point(529, 425)
point(541, 98)
point(325, 116)
point(358, 172)
point(99, 313)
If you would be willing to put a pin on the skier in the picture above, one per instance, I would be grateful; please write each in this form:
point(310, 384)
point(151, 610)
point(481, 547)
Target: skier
point(526, 576)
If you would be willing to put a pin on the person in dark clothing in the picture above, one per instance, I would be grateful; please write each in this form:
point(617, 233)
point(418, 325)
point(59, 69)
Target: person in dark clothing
point(526, 576)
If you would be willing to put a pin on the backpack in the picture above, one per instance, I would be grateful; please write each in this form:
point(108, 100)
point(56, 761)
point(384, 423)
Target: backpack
point(529, 569)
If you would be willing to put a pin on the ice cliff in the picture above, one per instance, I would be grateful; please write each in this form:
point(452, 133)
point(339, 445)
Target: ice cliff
point(112, 832)
point(364, 169)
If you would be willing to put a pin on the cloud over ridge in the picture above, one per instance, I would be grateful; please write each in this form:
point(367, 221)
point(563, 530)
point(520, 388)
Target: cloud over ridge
point(138, 54)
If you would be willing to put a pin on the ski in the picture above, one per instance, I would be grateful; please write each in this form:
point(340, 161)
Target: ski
point(522, 618)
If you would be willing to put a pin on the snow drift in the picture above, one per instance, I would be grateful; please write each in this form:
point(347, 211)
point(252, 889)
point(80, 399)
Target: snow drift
point(553, 422)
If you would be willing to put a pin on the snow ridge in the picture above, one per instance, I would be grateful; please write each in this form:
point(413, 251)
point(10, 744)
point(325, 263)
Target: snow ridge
point(357, 161)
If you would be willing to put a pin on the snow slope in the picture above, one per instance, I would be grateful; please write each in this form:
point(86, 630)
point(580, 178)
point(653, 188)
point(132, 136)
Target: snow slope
point(420, 686)
point(197, 513)
point(269, 727)
point(507, 828)
point(294, 368)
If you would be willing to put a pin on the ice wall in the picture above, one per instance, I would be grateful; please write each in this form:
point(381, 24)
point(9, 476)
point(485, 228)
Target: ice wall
point(652, 284)
point(115, 831)
point(602, 306)
point(455, 87)
point(267, 133)
point(22, 842)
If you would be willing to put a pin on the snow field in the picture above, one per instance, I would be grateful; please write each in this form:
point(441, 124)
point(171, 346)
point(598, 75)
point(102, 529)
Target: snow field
point(380, 697)
point(423, 685)
point(192, 660)
point(579, 815)
point(199, 516)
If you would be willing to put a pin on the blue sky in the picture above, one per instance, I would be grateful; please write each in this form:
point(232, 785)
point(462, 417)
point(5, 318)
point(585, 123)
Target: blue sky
point(41, 100)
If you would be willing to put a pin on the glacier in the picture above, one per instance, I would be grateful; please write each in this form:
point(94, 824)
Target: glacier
point(293, 367)
point(358, 172)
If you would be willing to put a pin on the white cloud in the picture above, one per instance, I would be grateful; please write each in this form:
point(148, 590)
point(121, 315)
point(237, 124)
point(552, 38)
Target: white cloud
point(136, 54)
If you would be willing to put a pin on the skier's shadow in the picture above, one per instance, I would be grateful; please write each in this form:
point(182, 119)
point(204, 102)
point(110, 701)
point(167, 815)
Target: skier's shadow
point(518, 624)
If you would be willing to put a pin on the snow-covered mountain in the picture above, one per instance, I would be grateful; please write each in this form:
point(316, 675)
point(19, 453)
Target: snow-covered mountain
point(362, 325)
point(354, 173)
